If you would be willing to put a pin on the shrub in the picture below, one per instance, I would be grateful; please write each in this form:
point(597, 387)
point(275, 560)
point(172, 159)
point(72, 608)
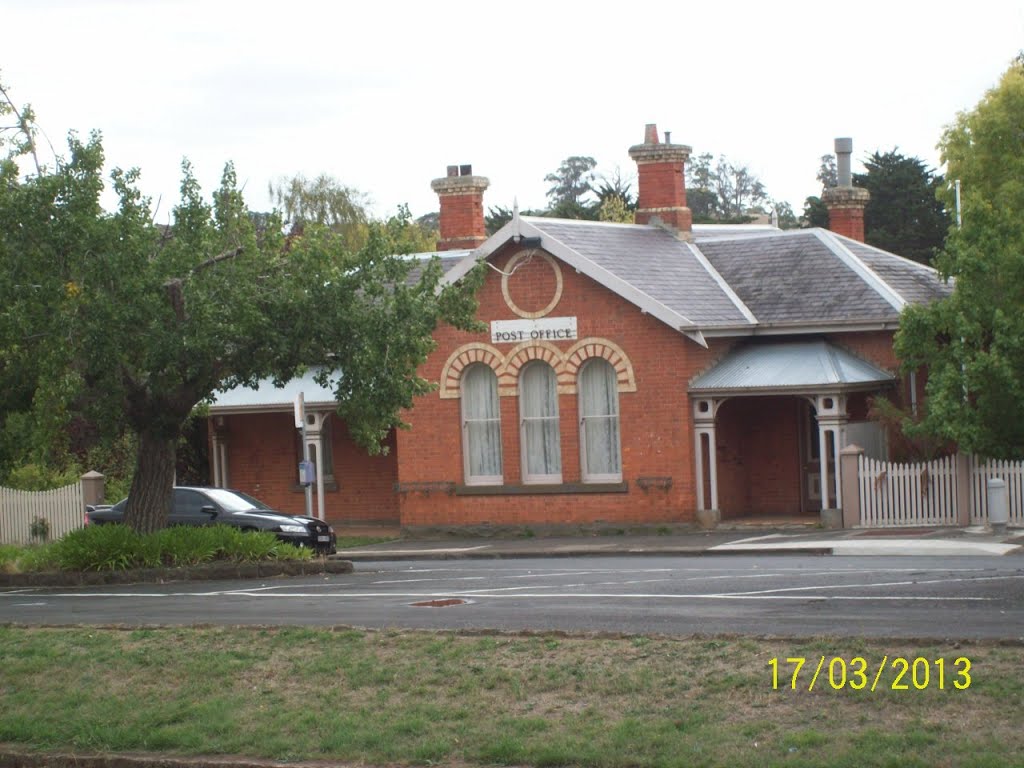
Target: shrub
point(117, 547)
point(41, 557)
point(39, 530)
point(99, 548)
point(185, 545)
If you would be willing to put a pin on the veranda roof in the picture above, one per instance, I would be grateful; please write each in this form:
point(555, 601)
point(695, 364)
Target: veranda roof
point(267, 397)
point(799, 366)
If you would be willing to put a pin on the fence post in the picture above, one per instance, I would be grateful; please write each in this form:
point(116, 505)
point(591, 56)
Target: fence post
point(849, 459)
point(963, 490)
point(93, 487)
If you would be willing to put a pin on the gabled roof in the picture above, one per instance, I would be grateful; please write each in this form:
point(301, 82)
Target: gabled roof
point(766, 367)
point(731, 281)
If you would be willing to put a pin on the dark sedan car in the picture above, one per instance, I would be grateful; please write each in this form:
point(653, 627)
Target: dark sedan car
point(213, 506)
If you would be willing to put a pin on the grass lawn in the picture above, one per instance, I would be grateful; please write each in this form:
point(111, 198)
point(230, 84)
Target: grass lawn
point(495, 699)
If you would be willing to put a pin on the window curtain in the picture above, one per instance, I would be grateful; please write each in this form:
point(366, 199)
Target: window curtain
point(538, 399)
point(482, 422)
point(599, 420)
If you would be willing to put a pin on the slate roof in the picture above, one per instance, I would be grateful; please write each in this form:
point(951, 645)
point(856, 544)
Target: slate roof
point(915, 282)
point(654, 261)
point(797, 278)
point(732, 280)
point(813, 365)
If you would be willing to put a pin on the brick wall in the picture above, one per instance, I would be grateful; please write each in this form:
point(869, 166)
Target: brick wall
point(263, 456)
point(759, 467)
point(656, 435)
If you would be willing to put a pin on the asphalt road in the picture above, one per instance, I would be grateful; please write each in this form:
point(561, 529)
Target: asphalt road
point(789, 596)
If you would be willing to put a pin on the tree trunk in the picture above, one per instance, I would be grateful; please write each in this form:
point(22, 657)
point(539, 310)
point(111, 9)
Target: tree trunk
point(149, 500)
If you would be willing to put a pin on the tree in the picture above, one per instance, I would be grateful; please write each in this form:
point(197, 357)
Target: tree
point(324, 201)
point(721, 192)
point(815, 212)
point(784, 213)
point(904, 215)
point(571, 183)
point(134, 324)
point(497, 217)
point(972, 343)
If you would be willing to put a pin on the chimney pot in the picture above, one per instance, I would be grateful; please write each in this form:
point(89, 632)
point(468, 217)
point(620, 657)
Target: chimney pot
point(651, 133)
point(453, 170)
point(844, 148)
point(668, 137)
point(465, 170)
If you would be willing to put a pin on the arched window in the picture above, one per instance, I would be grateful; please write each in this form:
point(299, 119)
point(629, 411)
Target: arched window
point(601, 458)
point(481, 426)
point(540, 438)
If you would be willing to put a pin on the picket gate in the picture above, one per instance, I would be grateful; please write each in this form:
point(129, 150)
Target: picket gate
point(897, 495)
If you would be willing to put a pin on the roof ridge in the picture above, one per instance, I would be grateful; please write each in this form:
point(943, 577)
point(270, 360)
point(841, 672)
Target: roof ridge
point(722, 283)
point(830, 360)
point(883, 252)
point(862, 270)
point(587, 222)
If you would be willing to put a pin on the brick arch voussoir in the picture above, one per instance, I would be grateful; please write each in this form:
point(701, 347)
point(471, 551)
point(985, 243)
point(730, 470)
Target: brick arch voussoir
point(463, 357)
point(528, 352)
point(589, 348)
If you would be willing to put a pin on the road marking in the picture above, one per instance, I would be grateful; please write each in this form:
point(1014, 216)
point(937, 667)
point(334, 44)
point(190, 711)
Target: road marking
point(521, 595)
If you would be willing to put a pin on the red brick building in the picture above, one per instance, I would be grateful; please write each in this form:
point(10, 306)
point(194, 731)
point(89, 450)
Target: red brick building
point(630, 374)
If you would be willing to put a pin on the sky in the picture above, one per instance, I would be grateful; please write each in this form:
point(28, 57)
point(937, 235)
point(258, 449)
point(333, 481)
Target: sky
point(384, 95)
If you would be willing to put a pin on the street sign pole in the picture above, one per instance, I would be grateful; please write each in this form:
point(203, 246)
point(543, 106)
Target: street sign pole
point(300, 422)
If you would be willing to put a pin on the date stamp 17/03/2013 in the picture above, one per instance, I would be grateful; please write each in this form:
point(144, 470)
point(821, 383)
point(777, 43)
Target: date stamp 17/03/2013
point(899, 673)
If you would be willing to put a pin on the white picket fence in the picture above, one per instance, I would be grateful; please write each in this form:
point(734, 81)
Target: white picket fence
point(925, 493)
point(1011, 473)
point(62, 508)
point(894, 495)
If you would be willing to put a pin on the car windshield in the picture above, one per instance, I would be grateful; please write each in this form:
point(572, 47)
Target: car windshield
point(234, 501)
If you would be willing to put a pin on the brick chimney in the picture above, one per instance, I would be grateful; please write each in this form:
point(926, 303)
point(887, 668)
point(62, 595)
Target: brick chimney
point(845, 202)
point(662, 194)
point(462, 208)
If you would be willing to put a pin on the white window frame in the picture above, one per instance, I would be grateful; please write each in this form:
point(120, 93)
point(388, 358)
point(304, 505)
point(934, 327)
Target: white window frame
point(529, 477)
point(471, 479)
point(598, 477)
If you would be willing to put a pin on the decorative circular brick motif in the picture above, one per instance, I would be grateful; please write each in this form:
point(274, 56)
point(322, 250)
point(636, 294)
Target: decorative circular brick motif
point(532, 283)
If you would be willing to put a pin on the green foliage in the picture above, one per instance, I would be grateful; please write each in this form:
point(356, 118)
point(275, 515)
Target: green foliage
point(39, 529)
point(130, 326)
point(324, 201)
point(973, 342)
point(118, 547)
point(99, 548)
point(815, 213)
point(571, 183)
point(904, 216)
point(33, 558)
point(614, 208)
point(721, 192)
point(34, 477)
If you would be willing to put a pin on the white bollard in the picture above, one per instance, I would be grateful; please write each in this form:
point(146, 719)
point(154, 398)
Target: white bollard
point(998, 507)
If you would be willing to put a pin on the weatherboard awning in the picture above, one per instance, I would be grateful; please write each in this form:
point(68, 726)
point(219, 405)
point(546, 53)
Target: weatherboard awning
point(267, 397)
point(790, 367)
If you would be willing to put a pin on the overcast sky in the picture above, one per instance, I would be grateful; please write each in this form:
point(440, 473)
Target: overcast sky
point(384, 95)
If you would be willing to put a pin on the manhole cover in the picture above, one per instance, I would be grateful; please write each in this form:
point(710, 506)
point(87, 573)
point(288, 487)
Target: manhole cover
point(439, 603)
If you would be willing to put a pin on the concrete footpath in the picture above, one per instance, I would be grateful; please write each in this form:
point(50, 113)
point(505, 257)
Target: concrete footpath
point(756, 540)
